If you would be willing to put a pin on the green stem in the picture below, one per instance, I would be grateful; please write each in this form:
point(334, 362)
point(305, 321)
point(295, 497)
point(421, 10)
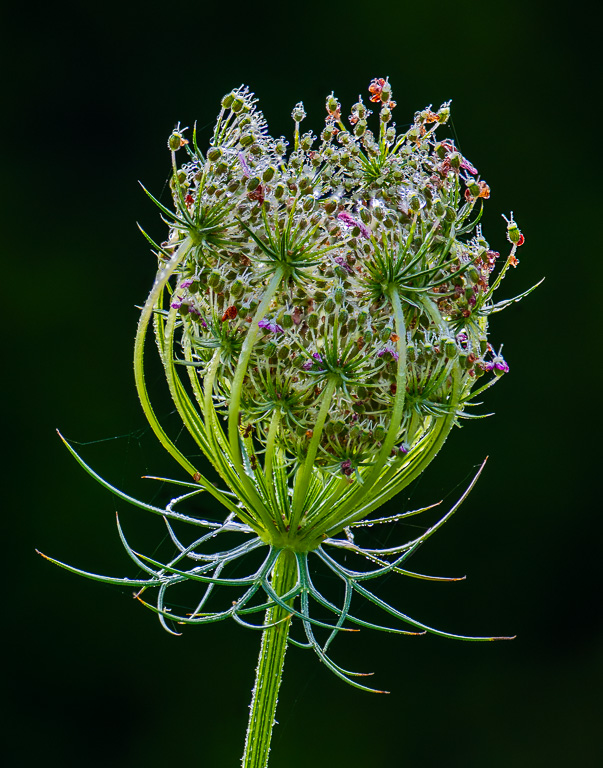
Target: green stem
point(302, 480)
point(269, 671)
point(161, 280)
point(234, 407)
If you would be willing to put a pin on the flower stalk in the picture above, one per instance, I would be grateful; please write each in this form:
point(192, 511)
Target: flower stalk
point(269, 671)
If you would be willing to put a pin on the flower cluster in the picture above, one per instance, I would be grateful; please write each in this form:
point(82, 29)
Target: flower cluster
point(363, 251)
point(321, 313)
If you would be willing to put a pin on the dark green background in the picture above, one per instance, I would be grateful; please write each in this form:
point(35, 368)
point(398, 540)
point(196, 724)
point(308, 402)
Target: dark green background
point(94, 681)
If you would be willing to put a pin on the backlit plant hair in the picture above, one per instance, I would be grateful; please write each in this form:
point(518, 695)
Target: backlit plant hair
point(321, 315)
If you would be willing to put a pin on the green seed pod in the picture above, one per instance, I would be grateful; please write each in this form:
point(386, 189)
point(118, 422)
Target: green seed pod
point(360, 128)
point(342, 316)
point(474, 188)
point(319, 296)
point(253, 183)
point(513, 232)
point(309, 203)
point(268, 174)
point(213, 279)
point(213, 154)
point(330, 205)
point(368, 336)
point(329, 304)
point(352, 324)
point(175, 141)
point(450, 214)
point(237, 105)
point(362, 317)
point(270, 349)
point(313, 320)
point(439, 208)
point(411, 353)
point(385, 334)
point(450, 348)
point(338, 295)
point(246, 140)
point(379, 433)
point(455, 160)
point(283, 352)
point(228, 100)
point(287, 320)
point(279, 190)
point(338, 426)
point(414, 202)
point(237, 289)
point(358, 407)
point(298, 113)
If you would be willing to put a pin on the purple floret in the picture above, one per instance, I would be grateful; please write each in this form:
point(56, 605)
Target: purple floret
point(348, 219)
point(270, 326)
point(389, 349)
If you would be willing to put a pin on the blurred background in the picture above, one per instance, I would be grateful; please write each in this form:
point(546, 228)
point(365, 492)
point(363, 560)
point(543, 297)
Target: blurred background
point(92, 94)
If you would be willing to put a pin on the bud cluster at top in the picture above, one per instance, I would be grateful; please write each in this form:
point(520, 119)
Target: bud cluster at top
point(355, 222)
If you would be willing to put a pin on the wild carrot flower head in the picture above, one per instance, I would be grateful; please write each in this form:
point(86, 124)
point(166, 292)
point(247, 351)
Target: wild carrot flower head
point(328, 303)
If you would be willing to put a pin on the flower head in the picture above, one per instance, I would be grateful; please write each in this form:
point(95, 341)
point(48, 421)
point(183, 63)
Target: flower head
point(328, 310)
